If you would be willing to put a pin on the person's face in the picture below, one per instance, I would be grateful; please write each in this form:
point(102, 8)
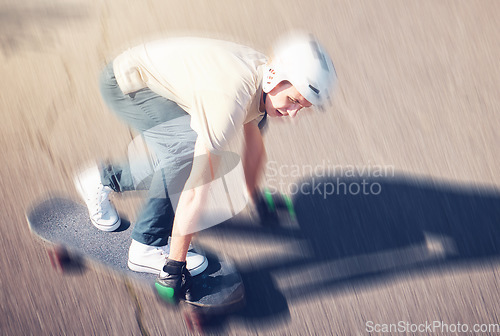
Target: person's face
point(285, 100)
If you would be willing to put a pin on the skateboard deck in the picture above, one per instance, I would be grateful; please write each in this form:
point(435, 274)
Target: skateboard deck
point(66, 225)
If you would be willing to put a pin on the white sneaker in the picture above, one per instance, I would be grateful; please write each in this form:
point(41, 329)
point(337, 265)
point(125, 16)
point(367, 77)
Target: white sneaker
point(96, 196)
point(151, 259)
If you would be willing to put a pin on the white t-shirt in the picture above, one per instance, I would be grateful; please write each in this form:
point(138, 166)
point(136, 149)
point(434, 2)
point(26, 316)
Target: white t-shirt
point(218, 83)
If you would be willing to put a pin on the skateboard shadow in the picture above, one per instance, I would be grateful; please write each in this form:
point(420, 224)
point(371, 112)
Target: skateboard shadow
point(402, 225)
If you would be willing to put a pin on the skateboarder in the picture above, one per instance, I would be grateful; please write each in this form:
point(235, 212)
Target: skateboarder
point(188, 97)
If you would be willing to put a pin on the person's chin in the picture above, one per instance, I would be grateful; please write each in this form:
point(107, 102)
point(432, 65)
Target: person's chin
point(278, 119)
point(275, 114)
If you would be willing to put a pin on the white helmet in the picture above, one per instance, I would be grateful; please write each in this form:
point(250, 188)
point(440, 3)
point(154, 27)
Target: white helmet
point(302, 61)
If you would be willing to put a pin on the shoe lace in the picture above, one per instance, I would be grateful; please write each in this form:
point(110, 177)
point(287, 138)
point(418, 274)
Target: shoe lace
point(102, 202)
point(164, 250)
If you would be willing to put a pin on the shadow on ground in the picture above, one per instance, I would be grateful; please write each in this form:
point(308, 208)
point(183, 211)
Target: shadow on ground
point(397, 225)
point(403, 225)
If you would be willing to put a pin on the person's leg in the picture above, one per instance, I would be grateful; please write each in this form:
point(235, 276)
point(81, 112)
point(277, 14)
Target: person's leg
point(144, 111)
point(172, 143)
point(165, 128)
point(96, 182)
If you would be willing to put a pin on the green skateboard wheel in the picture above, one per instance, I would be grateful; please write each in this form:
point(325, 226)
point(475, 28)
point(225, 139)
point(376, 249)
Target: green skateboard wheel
point(289, 206)
point(269, 200)
point(275, 202)
point(166, 293)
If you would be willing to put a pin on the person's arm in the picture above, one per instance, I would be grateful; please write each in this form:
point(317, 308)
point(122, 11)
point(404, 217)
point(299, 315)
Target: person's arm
point(254, 155)
point(191, 200)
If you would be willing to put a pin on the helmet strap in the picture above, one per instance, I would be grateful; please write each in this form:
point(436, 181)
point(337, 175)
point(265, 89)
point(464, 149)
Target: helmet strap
point(263, 101)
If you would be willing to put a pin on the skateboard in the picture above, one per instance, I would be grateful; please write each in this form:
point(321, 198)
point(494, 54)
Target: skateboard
point(73, 240)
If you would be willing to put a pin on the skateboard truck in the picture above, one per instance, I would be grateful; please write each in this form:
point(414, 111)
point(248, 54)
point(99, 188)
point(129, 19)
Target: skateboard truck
point(59, 257)
point(62, 260)
point(194, 319)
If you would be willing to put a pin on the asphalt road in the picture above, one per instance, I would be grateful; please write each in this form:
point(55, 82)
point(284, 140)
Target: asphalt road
point(395, 184)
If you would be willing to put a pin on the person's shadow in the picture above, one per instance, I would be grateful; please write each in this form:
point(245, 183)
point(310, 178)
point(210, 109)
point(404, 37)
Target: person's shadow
point(401, 224)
